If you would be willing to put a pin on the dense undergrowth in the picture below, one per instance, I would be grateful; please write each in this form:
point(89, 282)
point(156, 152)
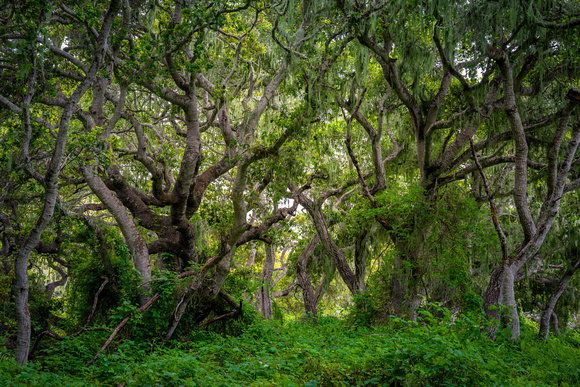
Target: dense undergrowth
point(438, 351)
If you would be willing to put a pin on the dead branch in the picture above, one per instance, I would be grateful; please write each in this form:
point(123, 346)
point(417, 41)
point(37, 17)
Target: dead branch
point(142, 309)
point(40, 336)
point(228, 299)
point(84, 328)
point(95, 301)
point(229, 314)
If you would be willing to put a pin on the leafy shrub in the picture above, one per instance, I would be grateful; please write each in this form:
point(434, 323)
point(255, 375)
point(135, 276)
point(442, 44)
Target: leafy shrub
point(438, 350)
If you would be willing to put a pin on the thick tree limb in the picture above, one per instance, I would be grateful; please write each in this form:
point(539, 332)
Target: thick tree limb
point(285, 292)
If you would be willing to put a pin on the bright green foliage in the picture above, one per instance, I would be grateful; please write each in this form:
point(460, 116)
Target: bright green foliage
point(455, 231)
point(439, 350)
point(87, 276)
point(427, 225)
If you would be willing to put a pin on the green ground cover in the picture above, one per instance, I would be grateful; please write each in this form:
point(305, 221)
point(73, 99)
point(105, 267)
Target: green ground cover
point(335, 352)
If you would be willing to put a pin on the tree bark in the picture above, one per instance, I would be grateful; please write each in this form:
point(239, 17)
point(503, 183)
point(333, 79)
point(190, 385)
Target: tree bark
point(51, 287)
point(51, 189)
point(405, 297)
point(555, 324)
point(265, 291)
point(308, 293)
point(492, 296)
point(338, 257)
point(252, 255)
point(508, 298)
point(360, 264)
point(135, 242)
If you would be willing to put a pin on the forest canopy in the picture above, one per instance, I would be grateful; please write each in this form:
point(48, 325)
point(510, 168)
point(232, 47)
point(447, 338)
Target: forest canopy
point(173, 167)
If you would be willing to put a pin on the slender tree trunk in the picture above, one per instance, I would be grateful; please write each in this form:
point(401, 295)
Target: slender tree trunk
point(555, 324)
point(21, 288)
point(491, 297)
point(360, 264)
point(265, 291)
point(21, 285)
point(252, 256)
point(308, 293)
point(51, 188)
point(160, 265)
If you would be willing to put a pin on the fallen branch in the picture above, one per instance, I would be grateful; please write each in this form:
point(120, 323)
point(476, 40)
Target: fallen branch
point(84, 328)
point(95, 301)
point(229, 314)
point(228, 299)
point(216, 319)
point(142, 309)
point(44, 333)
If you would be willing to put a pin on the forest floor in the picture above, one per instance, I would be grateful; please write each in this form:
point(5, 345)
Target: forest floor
point(437, 351)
